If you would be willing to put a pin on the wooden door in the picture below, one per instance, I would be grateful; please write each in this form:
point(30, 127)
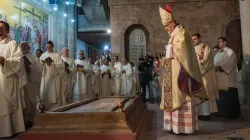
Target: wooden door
point(234, 40)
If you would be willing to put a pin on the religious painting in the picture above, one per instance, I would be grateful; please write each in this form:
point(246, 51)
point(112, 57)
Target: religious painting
point(27, 23)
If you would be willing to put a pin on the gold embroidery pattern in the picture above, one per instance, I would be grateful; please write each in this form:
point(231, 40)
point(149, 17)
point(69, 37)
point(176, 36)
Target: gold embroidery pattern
point(167, 77)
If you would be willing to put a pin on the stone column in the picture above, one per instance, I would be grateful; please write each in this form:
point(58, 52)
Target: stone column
point(244, 75)
point(245, 26)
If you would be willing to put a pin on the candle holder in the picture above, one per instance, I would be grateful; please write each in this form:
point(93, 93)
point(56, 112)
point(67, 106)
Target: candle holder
point(121, 106)
point(42, 108)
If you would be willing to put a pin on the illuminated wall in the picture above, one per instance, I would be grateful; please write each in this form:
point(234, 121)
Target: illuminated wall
point(27, 22)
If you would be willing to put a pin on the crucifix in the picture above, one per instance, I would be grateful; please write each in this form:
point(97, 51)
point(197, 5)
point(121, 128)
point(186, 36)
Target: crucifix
point(44, 19)
point(20, 13)
point(32, 13)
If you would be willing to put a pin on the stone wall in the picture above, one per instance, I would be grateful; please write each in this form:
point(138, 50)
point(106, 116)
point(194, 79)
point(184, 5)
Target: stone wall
point(208, 17)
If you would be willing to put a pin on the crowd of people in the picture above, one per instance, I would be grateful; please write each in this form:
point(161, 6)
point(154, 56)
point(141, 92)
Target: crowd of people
point(185, 77)
point(56, 79)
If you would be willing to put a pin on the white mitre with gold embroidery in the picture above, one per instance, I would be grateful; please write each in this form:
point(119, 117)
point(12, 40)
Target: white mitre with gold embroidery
point(166, 15)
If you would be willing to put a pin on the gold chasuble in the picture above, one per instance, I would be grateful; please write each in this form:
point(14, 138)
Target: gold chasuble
point(182, 85)
point(181, 75)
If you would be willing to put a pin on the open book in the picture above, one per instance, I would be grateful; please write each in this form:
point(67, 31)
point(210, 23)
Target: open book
point(48, 59)
point(26, 60)
point(79, 66)
point(66, 64)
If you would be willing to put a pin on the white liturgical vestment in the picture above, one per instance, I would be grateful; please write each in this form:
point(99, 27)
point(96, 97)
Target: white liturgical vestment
point(206, 64)
point(81, 88)
point(12, 80)
point(30, 89)
point(51, 90)
point(127, 88)
point(116, 78)
point(226, 59)
point(106, 80)
point(68, 78)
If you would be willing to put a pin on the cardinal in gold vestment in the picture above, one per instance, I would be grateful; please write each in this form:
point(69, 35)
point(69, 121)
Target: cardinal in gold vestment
point(182, 86)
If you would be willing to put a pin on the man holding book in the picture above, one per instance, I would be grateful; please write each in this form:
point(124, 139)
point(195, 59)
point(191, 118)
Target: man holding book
point(83, 69)
point(51, 90)
point(68, 76)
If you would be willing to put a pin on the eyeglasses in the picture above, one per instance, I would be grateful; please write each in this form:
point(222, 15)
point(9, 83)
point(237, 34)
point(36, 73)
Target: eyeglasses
point(1, 28)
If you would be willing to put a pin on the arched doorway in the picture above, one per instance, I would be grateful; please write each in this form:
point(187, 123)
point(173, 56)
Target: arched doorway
point(234, 40)
point(136, 40)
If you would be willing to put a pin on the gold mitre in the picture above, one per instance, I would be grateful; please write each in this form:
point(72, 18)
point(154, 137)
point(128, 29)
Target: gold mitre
point(166, 15)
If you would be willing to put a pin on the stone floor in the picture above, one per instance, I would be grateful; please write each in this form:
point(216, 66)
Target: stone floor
point(217, 129)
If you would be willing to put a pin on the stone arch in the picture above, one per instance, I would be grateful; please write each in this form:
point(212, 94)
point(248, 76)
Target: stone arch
point(130, 29)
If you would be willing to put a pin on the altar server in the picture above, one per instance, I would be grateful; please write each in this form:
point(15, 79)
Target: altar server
point(226, 72)
point(206, 63)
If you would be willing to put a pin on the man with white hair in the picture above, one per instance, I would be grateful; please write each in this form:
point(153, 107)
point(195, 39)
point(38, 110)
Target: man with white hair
point(68, 75)
point(33, 68)
point(182, 86)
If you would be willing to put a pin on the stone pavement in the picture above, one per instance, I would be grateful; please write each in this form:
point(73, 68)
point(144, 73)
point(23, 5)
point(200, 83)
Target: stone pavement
point(217, 129)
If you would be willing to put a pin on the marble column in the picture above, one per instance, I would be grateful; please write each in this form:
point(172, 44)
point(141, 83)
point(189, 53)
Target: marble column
point(244, 75)
point(62, 31)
